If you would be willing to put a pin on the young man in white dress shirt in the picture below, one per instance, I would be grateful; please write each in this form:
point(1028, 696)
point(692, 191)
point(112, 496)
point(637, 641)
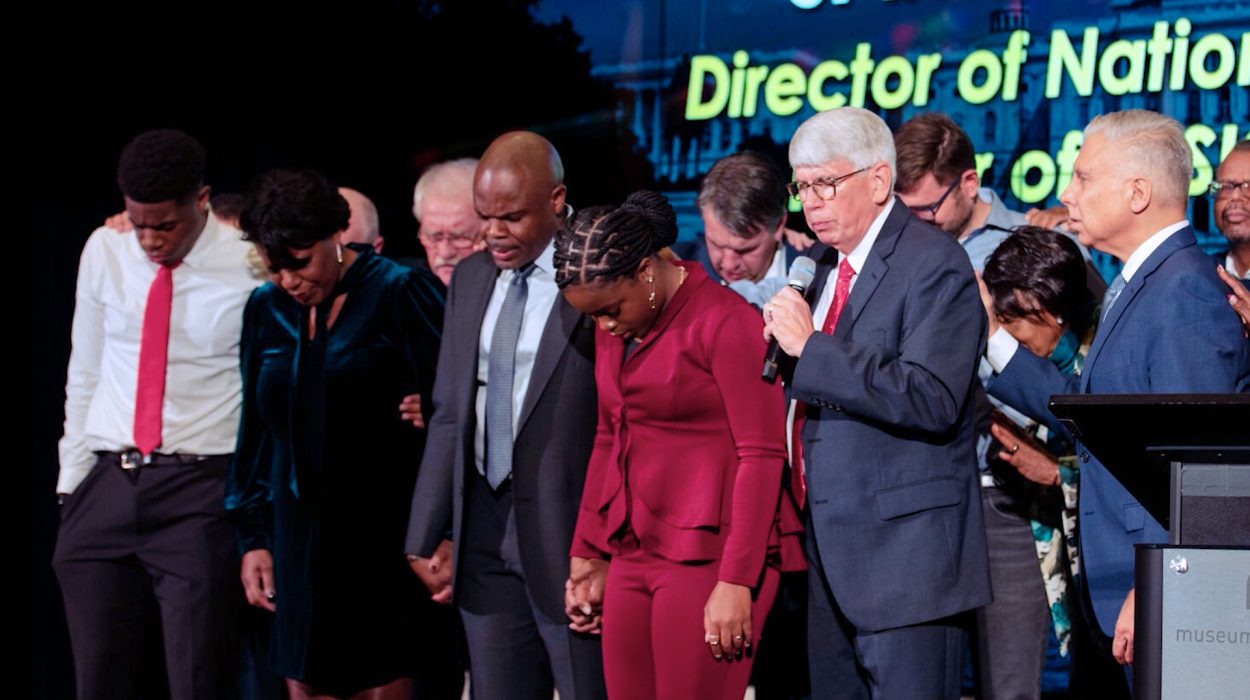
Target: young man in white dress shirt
point(151, 412)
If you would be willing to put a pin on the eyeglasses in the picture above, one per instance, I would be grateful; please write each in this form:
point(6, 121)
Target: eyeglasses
point(1227, 188)
point(931, 210)
point(457, 240)
point(826, 187)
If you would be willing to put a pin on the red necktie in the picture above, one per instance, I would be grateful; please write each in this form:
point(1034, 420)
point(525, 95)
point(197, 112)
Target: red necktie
point(841, 291)
point(153, 354)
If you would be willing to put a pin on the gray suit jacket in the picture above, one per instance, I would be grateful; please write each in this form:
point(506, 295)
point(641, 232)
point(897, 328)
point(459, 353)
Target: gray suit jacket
point(891, 466)
point(556, 431)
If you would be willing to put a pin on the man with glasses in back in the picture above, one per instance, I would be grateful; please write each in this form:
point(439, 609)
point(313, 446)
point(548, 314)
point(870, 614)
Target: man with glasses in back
point(881, 422)
point(1231, 191)
point(938, 181)
point(442, 203)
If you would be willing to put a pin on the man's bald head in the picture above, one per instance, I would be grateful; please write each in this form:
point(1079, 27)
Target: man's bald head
point(363, 226)
point(527, 152)
point(518, 192)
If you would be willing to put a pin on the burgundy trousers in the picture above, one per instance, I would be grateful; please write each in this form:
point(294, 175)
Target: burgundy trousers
point(653, 636)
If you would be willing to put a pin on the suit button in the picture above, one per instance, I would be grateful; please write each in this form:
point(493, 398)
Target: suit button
point(1085, 456)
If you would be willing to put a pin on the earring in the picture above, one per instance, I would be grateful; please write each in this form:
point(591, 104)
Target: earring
point(651, 297)
point(338, 252)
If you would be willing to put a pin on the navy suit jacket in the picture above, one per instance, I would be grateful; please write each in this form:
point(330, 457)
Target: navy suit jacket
point(888, 440)
point(1170, 331)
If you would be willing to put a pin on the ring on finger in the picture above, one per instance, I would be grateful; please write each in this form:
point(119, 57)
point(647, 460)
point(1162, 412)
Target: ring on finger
point(1015, 449)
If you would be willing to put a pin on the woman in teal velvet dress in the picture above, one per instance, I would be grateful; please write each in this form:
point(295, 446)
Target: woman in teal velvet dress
point(324, 468)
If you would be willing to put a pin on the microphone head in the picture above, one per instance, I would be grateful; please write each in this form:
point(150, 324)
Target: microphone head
point(802, 271)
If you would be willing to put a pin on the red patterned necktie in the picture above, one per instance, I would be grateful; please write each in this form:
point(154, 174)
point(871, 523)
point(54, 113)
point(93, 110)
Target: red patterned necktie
point(153, 355)
point(841, 291)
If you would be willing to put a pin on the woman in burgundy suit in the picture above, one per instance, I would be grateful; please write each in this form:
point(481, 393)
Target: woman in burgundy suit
point(684, 488)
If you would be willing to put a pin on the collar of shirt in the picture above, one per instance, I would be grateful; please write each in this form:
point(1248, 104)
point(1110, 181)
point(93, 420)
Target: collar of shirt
point(1150, 245)
point(1000, 217)
point(859, 255)
point(544, 264)
point(1231, 266)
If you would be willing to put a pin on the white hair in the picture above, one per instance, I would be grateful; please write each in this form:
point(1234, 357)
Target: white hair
point(444, 176)
point(1151, 145)
point(845, 133)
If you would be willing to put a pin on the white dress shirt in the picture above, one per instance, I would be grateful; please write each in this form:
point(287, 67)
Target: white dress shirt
point(1231, 266)
point(1002, 346)
point(820, 312)
point(200, 415)
point(540, 299)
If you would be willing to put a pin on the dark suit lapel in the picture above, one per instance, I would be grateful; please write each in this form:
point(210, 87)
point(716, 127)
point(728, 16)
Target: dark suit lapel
point(1177, 241)
point(561, 323)
point(477, 292)
point(790, 253)
point(826, 261)
point(875, 267)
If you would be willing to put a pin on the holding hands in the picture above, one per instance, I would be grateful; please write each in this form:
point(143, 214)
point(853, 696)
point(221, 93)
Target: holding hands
point(583, 594)
point(435, 572)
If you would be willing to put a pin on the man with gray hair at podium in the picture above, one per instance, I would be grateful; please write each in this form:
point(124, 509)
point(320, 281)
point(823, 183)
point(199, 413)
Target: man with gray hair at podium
point(1166, 327)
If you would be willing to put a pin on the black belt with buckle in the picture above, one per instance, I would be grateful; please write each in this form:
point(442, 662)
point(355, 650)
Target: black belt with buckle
point(132, 459)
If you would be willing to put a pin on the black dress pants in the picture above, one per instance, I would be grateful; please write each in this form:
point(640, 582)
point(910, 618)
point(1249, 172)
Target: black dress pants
point(151, 540)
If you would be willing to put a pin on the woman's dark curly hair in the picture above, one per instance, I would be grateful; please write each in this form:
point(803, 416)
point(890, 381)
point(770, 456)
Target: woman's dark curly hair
point(1048, 271)
point(292, 209)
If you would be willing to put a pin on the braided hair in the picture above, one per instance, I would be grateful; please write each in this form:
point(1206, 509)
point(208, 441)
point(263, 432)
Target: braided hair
point(606, 243)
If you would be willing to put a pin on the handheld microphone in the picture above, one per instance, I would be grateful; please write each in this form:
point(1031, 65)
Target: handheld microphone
point(802, 271)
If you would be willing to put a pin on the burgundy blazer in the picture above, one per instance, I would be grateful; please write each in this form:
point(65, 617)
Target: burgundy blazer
point(691, 443)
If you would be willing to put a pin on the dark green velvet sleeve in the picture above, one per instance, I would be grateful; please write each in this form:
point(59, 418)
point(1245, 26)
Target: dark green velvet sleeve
point(248, 497)
point(418, 310)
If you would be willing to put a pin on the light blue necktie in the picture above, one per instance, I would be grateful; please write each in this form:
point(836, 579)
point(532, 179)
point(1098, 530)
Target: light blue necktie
point(502, 366)
point(1113, 292)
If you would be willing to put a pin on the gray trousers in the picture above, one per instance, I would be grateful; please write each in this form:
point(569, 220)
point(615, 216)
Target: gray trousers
point(1013, 630)
point(515, 650)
